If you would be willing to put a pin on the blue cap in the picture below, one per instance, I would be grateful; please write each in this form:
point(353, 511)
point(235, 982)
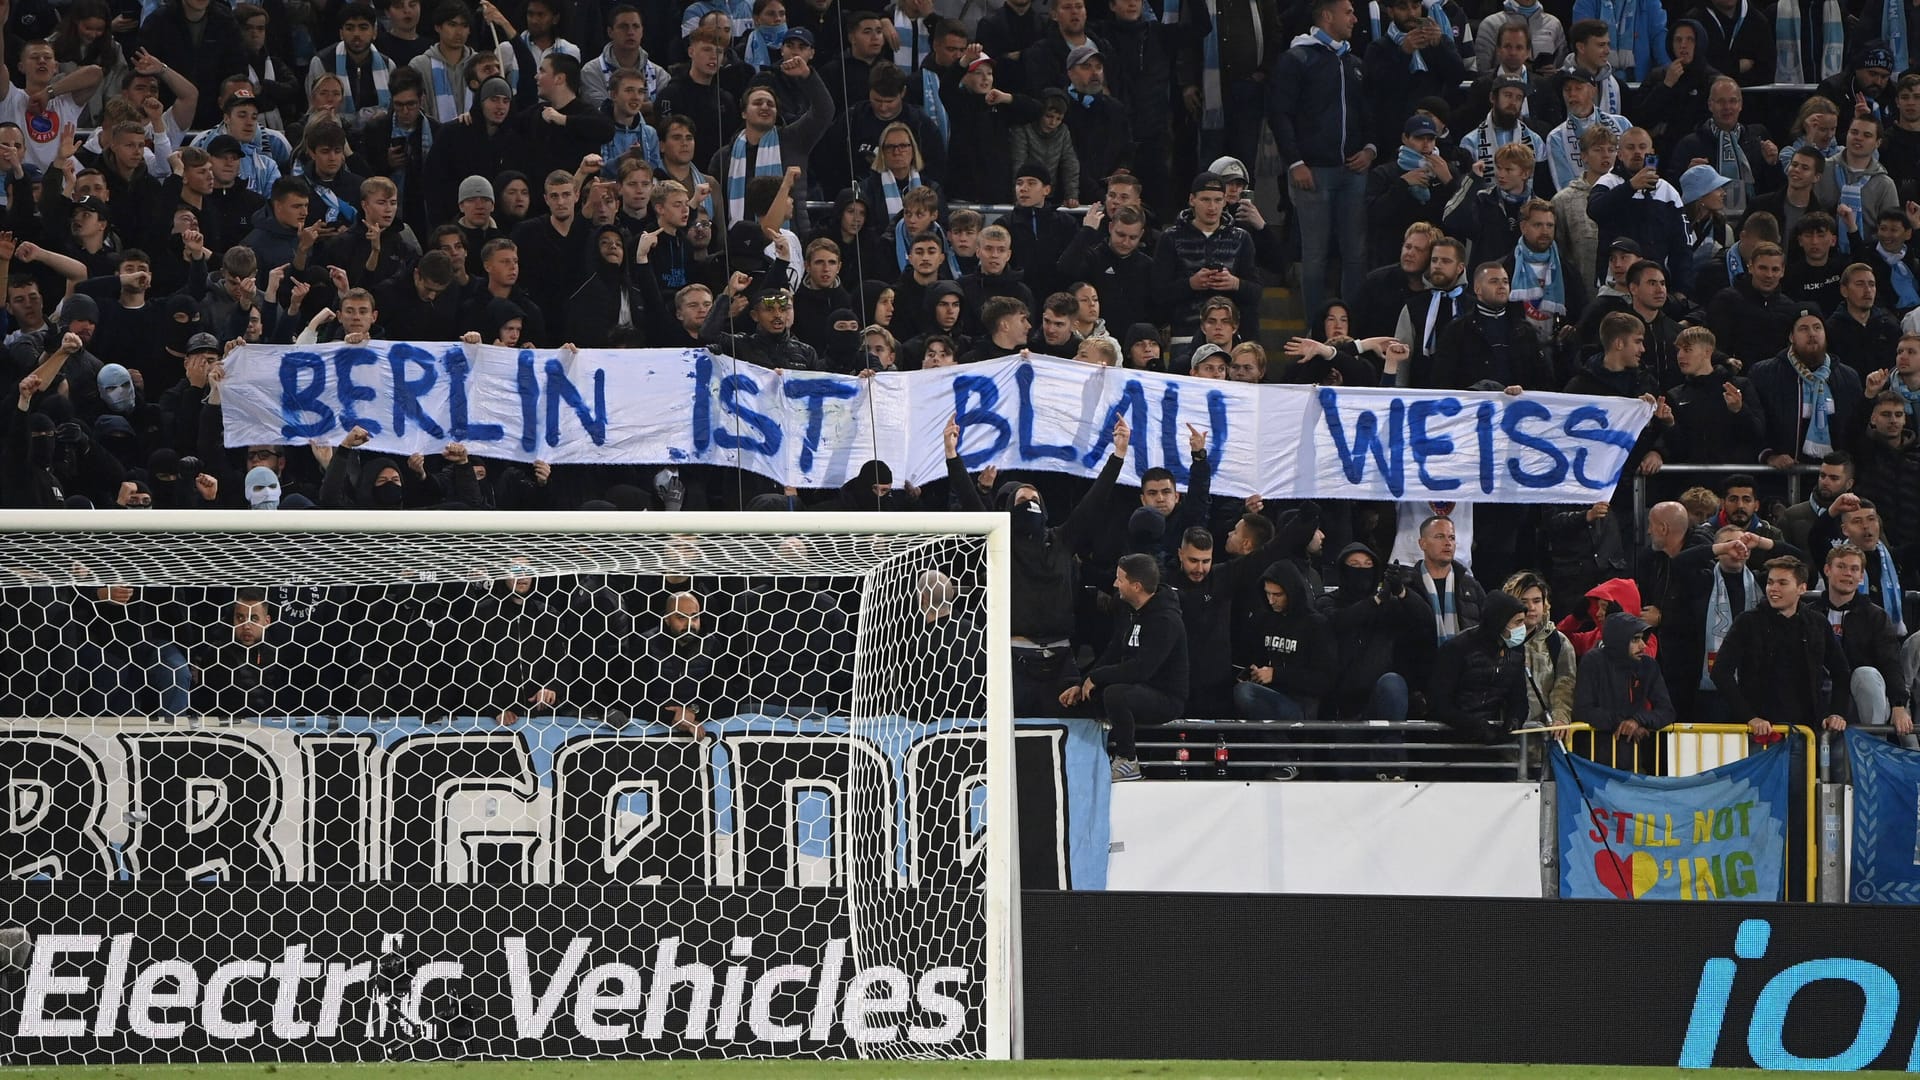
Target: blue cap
point(1420, 124)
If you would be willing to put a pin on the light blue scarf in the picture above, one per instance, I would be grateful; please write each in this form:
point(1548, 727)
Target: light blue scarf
point(377, 62)
point(1886, 586)
point(1340, 48)
point(1720, 615)
point(445, 108)
point(766, 162)
point(764, 44)
point(1410, 160)
point(1893, 28)
point(1816, 401)
point(1906, 292)
point(935, 108)
point(901, 240)
point(1537, 279)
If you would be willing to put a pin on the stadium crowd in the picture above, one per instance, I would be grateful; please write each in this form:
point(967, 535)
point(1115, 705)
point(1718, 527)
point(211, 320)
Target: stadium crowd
point(1529, 197)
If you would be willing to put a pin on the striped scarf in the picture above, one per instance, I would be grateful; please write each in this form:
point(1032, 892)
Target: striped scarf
point(445, 108)
point(1213, 100)
point(766, 162)
point(1816, 407)
point(339, 211)
point(1720, 615)
point(639, 133)
point(764, 44)
point(1538, 281)
point(901, 239)
point(377, 62)
point(1911, 395)
point(1787, 45)
point(935, 108)
point(1883, 580)
point(891, 190)
point(1893, 29)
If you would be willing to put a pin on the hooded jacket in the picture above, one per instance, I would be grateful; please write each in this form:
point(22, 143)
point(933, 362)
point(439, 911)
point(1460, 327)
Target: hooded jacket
point(1614, 686)
point(1551, 674)
point(1584, 631)
point(460, 151)
point(1746, 36)
point(1044, 568)
point(1149, 648)
point(1479, 682)
point(273, 242)
point(1296, 643)
point(593, 312)
point(1367, 628)
point(1207, 607)
point(1684, 104)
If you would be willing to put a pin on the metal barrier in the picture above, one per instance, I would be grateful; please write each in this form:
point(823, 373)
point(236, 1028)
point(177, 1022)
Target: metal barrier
point(1241, 749)
point(1797, 477)
point(1688, 749)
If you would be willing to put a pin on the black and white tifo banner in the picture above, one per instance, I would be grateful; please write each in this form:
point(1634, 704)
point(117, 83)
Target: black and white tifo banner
point(357, 889)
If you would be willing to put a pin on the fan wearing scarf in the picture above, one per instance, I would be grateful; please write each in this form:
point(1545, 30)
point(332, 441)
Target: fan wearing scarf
point(1428, 312)
point(1542, 282)
point(1414, 58)
point(1856, 520)
point(1507, 99)
point(1486, 212)
point(363, 69)
point(1905, 378)
point(1580, 92)
point(766, 147)
point(1415, 186)
point(1637, 30)
point(1806, 396)
point(1856, 185)
point(1742, 153)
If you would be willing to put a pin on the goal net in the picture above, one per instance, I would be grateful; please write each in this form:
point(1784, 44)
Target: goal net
point(414, 786)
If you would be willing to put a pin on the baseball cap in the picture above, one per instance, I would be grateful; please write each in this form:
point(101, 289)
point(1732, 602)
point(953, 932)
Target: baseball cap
point(475, 187)
point(1081, 54)
point(1230, 168)
point(1420, 124)
point(800, 34)
point(983, 58)
point(90, 204)
point(1626, 245)
point(1204, 352)
point(1507, 82)
point(225, 146)
point(241, 96)
point(1207, 181)
point(202, 342)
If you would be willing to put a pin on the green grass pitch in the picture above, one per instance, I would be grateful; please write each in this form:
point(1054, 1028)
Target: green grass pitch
point(872, 1070)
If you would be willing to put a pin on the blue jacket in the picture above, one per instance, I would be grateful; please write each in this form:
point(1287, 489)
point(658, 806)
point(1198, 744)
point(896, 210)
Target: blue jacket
point(1649, 37)
point(1316, 106)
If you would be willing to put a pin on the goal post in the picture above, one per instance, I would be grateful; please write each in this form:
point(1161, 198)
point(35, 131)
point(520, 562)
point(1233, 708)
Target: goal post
point(688, 784)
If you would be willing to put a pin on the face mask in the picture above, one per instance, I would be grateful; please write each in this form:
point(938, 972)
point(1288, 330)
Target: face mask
point(1029, 521)
point(1516, 635)
point(116, 389)
point(388, 495)
point(263, 488)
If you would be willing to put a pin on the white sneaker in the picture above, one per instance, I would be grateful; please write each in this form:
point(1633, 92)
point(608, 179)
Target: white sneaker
point(1125, 769)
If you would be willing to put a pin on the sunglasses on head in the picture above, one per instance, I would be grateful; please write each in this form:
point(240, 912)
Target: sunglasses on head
point(779, 300)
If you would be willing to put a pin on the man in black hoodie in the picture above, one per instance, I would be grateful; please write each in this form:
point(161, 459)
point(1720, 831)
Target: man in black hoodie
point(1044, 572)
point(1294, 665)
point(1621, 691)
point(1142, 676)
point(1480, 678)
point(1371, 619)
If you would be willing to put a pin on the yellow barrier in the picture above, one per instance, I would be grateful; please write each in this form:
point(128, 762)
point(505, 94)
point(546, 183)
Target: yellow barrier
point(1687, 749)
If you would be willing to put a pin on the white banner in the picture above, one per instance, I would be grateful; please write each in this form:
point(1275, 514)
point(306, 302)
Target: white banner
point(812, 430)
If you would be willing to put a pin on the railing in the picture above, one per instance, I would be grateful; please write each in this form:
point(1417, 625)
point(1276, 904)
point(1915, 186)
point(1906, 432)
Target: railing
point(1242, 749)
point(1796, 476)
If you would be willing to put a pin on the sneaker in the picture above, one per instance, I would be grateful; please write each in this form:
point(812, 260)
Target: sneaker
point(1124, 769)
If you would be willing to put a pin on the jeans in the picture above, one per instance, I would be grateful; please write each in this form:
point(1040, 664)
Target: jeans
point(1265, 704)
point(129, 680)
point(1129, 705)
point(1388, 700)
point(1333, 212)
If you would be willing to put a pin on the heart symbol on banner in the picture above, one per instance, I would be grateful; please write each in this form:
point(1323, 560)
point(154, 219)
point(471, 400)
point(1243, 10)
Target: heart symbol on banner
point(1630, 878)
